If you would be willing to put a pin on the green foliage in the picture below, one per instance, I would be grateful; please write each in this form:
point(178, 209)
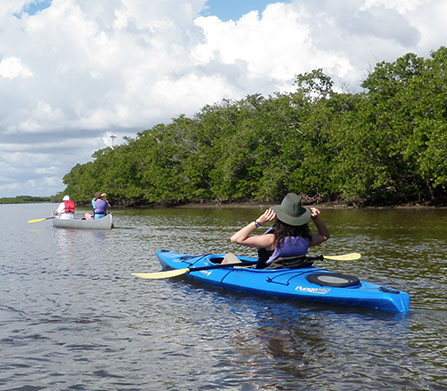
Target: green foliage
point(387, 144)
point(23, 199)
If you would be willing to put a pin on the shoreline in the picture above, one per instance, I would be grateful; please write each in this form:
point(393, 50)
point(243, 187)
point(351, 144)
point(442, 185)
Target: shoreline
point(323, 205)
point(250, 205)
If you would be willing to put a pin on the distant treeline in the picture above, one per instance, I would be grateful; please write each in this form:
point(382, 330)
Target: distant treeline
point(385, 145)
point(26, 199)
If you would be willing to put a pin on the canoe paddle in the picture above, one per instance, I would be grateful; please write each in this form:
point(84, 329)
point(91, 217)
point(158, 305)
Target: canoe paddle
point(36, 220)
point(179, 272)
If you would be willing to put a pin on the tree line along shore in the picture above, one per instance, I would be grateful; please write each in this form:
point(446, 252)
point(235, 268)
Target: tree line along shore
point(385, 145)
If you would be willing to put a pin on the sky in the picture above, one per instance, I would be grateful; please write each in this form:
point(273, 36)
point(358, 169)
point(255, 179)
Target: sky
point(80, 75)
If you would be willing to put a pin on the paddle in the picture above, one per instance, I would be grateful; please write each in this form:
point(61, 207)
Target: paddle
point(36, 220)
point(179, 272)
point(344, 257)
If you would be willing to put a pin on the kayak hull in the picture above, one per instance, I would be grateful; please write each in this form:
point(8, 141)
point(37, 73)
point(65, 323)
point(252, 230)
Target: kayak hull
point(286, 283)
point(99, 224)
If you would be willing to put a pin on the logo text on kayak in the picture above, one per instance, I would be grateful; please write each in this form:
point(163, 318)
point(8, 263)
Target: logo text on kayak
point(321, 291)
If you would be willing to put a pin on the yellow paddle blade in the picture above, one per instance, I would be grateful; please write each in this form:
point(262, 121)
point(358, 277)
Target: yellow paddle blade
point(160, 275)
point(344, 257)
point(36, 220)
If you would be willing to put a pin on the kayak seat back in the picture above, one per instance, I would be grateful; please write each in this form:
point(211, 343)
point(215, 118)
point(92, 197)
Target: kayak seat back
point(291, 263)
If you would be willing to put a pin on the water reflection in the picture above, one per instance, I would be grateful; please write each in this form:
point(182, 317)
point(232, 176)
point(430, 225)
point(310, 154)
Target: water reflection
point(292, 345)
point(285, 344)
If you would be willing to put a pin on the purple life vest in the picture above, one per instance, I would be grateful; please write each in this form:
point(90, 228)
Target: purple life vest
point(100, 207)
point(291, 246)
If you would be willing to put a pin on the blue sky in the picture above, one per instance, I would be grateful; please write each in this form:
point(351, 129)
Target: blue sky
point(82, 71)
point(223, 9)
point(39, 5)
point(234, 9)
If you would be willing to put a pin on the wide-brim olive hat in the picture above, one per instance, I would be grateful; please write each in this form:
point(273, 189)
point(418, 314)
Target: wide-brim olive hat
point(291, 212)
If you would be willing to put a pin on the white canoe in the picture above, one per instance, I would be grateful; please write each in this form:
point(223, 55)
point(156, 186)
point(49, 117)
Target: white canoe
point(102, 223)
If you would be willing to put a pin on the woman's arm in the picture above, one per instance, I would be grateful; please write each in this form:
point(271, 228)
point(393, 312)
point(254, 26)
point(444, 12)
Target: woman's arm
point(260, 241)
point(323, 232)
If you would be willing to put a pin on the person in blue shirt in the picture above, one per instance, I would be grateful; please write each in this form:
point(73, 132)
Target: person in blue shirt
point(99, 205)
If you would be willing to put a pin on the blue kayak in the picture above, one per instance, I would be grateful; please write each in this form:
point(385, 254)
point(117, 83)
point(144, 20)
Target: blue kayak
point(307, 283)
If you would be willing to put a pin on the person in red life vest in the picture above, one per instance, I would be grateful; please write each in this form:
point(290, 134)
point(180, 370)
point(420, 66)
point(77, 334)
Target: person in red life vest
point(66, 209)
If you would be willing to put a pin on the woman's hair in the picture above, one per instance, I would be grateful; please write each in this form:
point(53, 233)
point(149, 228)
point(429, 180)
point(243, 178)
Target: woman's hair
point(282, 230)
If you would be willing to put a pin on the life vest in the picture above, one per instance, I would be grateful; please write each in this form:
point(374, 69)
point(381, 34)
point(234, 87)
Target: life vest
point(100, 207)
point(291, 246)
point(69, 207)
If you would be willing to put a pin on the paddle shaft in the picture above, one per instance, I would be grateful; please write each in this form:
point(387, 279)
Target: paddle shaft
point(219, 266)
point(179, 272)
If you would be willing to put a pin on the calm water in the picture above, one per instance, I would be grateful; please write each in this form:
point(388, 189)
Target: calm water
point(73, 318)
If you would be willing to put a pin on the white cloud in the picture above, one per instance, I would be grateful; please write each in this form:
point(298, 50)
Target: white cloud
point(80, 71)
point(276, 45)
point(12, 68)
point(399, 5)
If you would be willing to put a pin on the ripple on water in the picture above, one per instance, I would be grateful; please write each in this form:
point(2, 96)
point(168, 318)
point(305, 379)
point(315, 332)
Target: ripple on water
point(72, 316)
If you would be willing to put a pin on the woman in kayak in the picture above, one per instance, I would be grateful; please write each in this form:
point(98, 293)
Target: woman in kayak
point(287, 242)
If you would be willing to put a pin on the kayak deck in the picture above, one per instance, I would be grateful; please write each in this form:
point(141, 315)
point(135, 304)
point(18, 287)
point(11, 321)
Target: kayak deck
point(286, 283)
